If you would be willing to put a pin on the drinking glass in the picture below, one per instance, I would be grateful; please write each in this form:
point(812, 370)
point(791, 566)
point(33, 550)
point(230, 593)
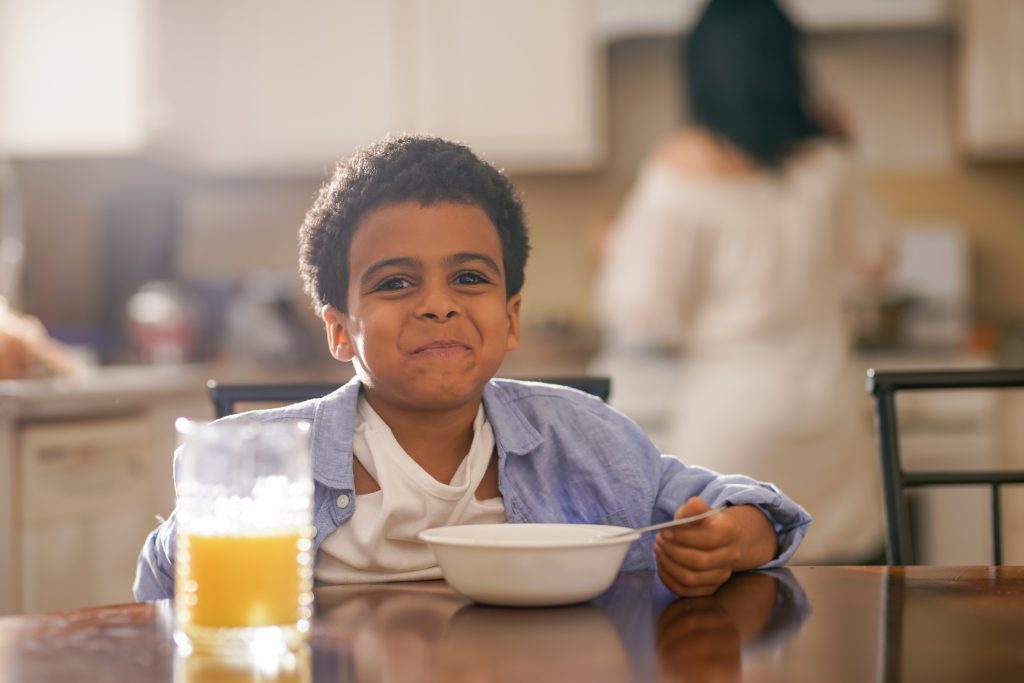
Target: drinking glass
point(243, 572)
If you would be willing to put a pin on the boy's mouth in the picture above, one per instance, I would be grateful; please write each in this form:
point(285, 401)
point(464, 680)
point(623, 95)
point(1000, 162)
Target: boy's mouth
point(444, 348)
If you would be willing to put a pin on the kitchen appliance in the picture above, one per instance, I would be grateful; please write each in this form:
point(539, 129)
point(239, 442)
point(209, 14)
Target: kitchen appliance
point(934, 272)
point(925, 305)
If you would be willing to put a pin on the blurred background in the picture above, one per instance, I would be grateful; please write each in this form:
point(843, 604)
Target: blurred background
point(157, 158)
point(181, 142)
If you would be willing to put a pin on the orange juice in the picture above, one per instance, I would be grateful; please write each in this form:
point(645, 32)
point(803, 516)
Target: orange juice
point(229, 581)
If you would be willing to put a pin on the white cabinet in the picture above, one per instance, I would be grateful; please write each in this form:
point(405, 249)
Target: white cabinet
point(86, 494)
point(833, 15)
point(622, 19)
point(72, 77)
point(263, 86)
point(518, 81)
point(991, 89)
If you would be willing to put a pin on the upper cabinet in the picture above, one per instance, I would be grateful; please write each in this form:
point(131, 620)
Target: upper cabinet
point(519, 81)
point(72, 77)
point(253, 86)
point(272, 87)
point(276, 87)
point(991, 89)
point(624, 19)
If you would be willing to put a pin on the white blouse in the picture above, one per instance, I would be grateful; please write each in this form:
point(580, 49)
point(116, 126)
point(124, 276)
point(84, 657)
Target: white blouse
point(742, 280)
point(379, 541)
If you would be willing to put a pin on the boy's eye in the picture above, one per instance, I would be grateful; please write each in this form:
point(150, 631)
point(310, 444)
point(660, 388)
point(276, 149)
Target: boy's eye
point(393, 284)
point(470, 277)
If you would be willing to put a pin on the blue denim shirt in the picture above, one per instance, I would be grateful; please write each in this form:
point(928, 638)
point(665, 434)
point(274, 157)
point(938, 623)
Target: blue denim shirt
point(563, 456)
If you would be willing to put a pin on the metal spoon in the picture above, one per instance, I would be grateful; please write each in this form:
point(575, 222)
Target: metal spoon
point(665, 525)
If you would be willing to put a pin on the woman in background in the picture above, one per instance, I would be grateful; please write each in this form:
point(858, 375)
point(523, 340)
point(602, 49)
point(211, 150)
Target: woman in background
point(731, 250)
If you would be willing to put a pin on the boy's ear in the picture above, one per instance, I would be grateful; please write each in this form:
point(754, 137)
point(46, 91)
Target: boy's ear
point(512, 311)
point(337, 335)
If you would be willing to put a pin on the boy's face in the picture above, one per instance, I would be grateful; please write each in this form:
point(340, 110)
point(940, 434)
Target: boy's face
point(428, 322)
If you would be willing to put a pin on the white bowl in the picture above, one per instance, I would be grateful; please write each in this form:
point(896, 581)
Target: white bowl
point(529, 565)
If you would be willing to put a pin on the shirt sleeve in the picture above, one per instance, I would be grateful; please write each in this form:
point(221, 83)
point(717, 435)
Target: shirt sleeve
point(649, 271)
point(679, 482)
point(154, 573)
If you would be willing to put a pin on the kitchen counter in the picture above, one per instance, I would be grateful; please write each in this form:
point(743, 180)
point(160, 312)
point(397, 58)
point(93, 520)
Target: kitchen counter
point(84, 468)
point(105, 390)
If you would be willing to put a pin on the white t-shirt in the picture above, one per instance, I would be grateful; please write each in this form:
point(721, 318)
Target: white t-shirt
point(379, 541)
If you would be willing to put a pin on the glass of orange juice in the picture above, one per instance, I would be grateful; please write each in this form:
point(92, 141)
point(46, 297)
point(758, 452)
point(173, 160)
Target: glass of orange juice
point(243, 570)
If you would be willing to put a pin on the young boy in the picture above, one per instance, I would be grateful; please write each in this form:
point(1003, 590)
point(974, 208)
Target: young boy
point(413, 254)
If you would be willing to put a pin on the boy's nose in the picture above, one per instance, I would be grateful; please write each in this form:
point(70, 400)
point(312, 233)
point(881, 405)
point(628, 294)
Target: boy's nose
point(437, 306)
point(434, 316)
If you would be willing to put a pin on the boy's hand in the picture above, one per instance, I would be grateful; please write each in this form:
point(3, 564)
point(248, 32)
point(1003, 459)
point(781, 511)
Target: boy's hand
point(695, 559)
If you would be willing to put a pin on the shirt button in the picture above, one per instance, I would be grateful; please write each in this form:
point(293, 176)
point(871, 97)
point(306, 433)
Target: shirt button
point(343, 501)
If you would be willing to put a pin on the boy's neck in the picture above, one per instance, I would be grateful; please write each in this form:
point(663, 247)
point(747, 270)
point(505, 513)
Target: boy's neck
point(437, 440)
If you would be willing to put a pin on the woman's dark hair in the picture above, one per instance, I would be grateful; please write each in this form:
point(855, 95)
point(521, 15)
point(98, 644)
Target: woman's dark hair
point(745, 79)
point(422, 169)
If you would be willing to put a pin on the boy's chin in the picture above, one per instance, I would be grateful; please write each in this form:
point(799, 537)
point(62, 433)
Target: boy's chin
point(441, 396)
point(434, 394)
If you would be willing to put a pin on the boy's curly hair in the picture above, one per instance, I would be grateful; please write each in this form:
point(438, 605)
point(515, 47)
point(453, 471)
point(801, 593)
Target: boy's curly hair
point(423, 169)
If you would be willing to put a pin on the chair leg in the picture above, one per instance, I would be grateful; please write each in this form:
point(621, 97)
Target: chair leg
point(997, 526)
point(899, 549)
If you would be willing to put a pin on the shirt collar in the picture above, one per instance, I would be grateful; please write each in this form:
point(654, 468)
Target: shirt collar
point(513, 433)
point(331, 433)
point(331, 436)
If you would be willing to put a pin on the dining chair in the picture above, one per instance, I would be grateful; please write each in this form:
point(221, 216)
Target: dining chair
point(226, 396)
point(897, 481)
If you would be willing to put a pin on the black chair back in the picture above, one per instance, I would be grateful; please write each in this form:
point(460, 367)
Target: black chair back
point(884, 386)
point(226, 396)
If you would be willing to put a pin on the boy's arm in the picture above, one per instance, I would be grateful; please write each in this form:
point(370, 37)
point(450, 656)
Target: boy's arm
point(154, 573)
point(786, 520)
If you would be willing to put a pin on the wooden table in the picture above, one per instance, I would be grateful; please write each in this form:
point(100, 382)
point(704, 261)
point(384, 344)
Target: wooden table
point(804, 624)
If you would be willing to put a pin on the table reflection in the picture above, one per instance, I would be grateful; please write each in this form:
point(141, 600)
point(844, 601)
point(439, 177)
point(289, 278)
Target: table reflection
point(637, 630)
point(390, 631)
point(869, 624)
point(704, 639)
point(578, 643)
point(265, 664)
